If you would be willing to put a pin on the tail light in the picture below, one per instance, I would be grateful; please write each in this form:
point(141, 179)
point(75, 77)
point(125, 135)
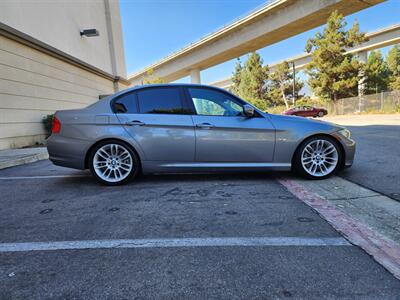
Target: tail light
point(56, 127)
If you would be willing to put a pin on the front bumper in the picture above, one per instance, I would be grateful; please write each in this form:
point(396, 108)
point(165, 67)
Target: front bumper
point(349, 147)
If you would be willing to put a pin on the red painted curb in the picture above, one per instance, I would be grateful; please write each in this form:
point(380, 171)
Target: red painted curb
point(383, 250)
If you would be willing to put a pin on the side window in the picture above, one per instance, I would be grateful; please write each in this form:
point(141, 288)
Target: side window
point(161, 101)
point(126, 104)
point(214, 103)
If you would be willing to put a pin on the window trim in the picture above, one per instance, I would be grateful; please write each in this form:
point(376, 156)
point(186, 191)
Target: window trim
point(185, 98)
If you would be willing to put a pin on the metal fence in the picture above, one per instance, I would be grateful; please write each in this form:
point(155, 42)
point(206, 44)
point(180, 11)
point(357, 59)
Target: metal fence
point(384, 102)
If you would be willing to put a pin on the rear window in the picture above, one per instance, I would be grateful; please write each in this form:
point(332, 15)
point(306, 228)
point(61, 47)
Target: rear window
point(160, 101)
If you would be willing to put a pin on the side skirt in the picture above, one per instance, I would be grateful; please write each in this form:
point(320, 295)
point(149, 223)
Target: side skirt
point(193, 167)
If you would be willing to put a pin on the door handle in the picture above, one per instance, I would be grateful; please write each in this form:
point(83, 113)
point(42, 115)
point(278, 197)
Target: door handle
point(135, 123)
point(205, 126)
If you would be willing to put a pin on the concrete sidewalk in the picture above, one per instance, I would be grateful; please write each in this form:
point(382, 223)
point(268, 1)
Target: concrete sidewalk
point(363, 120)
point(15, 157)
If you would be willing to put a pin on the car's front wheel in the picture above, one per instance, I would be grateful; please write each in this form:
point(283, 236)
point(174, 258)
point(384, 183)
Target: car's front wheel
point(321, 114)
point(318, 157)
point(113, 163)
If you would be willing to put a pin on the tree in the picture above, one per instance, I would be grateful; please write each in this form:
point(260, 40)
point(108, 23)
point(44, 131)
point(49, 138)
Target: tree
point(236, 77)
point(333, 73)
point(249, 81)
point(376, 72)
point(393, 64)
point(280, 85)
point(395, 83)
point(150, 79)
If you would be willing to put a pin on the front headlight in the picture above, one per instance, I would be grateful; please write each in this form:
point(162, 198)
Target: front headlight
point(345, 132)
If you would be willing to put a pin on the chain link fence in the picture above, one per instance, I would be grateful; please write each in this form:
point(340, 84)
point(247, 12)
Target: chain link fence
point(384, 102)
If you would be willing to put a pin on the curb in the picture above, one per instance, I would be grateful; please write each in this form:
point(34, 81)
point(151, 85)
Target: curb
point(24, 160)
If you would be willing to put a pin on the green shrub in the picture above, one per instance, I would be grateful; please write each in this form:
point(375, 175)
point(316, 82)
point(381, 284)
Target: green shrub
point(276, 109)
point(260, 104)
point(305, 101)
point(48, 122)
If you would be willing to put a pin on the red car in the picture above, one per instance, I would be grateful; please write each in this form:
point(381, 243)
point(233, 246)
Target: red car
point(306, 111)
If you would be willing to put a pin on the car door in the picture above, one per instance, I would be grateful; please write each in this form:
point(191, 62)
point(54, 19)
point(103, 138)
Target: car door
point(224, 134)
point(157, 119)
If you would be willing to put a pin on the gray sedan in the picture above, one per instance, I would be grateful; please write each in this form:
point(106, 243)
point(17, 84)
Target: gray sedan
point(192, 128)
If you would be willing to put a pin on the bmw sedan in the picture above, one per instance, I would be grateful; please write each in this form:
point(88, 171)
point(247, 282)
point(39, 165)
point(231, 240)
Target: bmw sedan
point(192, 128)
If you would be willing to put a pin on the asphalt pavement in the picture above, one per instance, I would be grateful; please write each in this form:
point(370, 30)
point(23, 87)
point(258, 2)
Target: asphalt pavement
point(377, 160)
point(42, 203)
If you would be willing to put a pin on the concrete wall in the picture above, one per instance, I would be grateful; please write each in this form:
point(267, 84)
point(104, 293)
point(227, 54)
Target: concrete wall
point(46, 66)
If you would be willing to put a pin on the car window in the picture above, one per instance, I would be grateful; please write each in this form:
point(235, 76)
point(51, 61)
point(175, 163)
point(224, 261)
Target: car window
point(126, 104)
point(161, 101)
point(214, 103)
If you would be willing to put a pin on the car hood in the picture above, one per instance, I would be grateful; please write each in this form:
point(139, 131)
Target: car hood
point(277, 119)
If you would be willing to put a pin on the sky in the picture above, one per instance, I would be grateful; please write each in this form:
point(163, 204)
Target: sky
point(152, 29)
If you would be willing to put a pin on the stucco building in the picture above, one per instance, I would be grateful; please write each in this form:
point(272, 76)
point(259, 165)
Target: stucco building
point(46, 65)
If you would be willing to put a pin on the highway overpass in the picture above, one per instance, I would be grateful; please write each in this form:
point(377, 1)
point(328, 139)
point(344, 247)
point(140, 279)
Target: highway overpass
point(274, 22)
point(377, 39)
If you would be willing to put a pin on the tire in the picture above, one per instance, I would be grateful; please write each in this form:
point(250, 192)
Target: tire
point(321, 114)
point(318, 158)
point(113, 163)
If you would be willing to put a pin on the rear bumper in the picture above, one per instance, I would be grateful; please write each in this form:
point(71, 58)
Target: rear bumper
point(67, 152)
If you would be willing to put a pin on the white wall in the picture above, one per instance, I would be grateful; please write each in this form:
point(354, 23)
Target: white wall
point(36, 81)
point(34, 84)
point(58, 23)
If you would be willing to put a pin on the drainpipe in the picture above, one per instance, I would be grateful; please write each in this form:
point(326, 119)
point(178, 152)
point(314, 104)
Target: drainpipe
point(111, 44)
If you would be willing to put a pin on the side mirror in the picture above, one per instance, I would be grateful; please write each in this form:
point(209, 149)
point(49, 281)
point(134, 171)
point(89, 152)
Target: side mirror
point(248, 110)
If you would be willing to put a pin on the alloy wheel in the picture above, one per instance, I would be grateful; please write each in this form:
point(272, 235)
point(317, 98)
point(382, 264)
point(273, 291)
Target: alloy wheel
point(319, 158)
point(113, 163)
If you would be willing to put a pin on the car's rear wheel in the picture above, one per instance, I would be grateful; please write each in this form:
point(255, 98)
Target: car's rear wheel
point(113, 163)
point(318, 157)
point(320, 114)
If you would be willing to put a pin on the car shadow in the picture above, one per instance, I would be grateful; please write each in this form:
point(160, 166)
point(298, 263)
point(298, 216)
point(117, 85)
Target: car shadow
point(215, 176)
point(222, 177)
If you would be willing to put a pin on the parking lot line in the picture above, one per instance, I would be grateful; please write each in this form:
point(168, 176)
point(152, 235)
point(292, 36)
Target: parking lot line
point(41, 177)
point(176, 242)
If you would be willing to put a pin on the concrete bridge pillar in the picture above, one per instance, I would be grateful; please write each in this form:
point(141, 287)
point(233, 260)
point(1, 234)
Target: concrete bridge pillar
point(362, 78)
point(195, 76)
point(363, 56)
